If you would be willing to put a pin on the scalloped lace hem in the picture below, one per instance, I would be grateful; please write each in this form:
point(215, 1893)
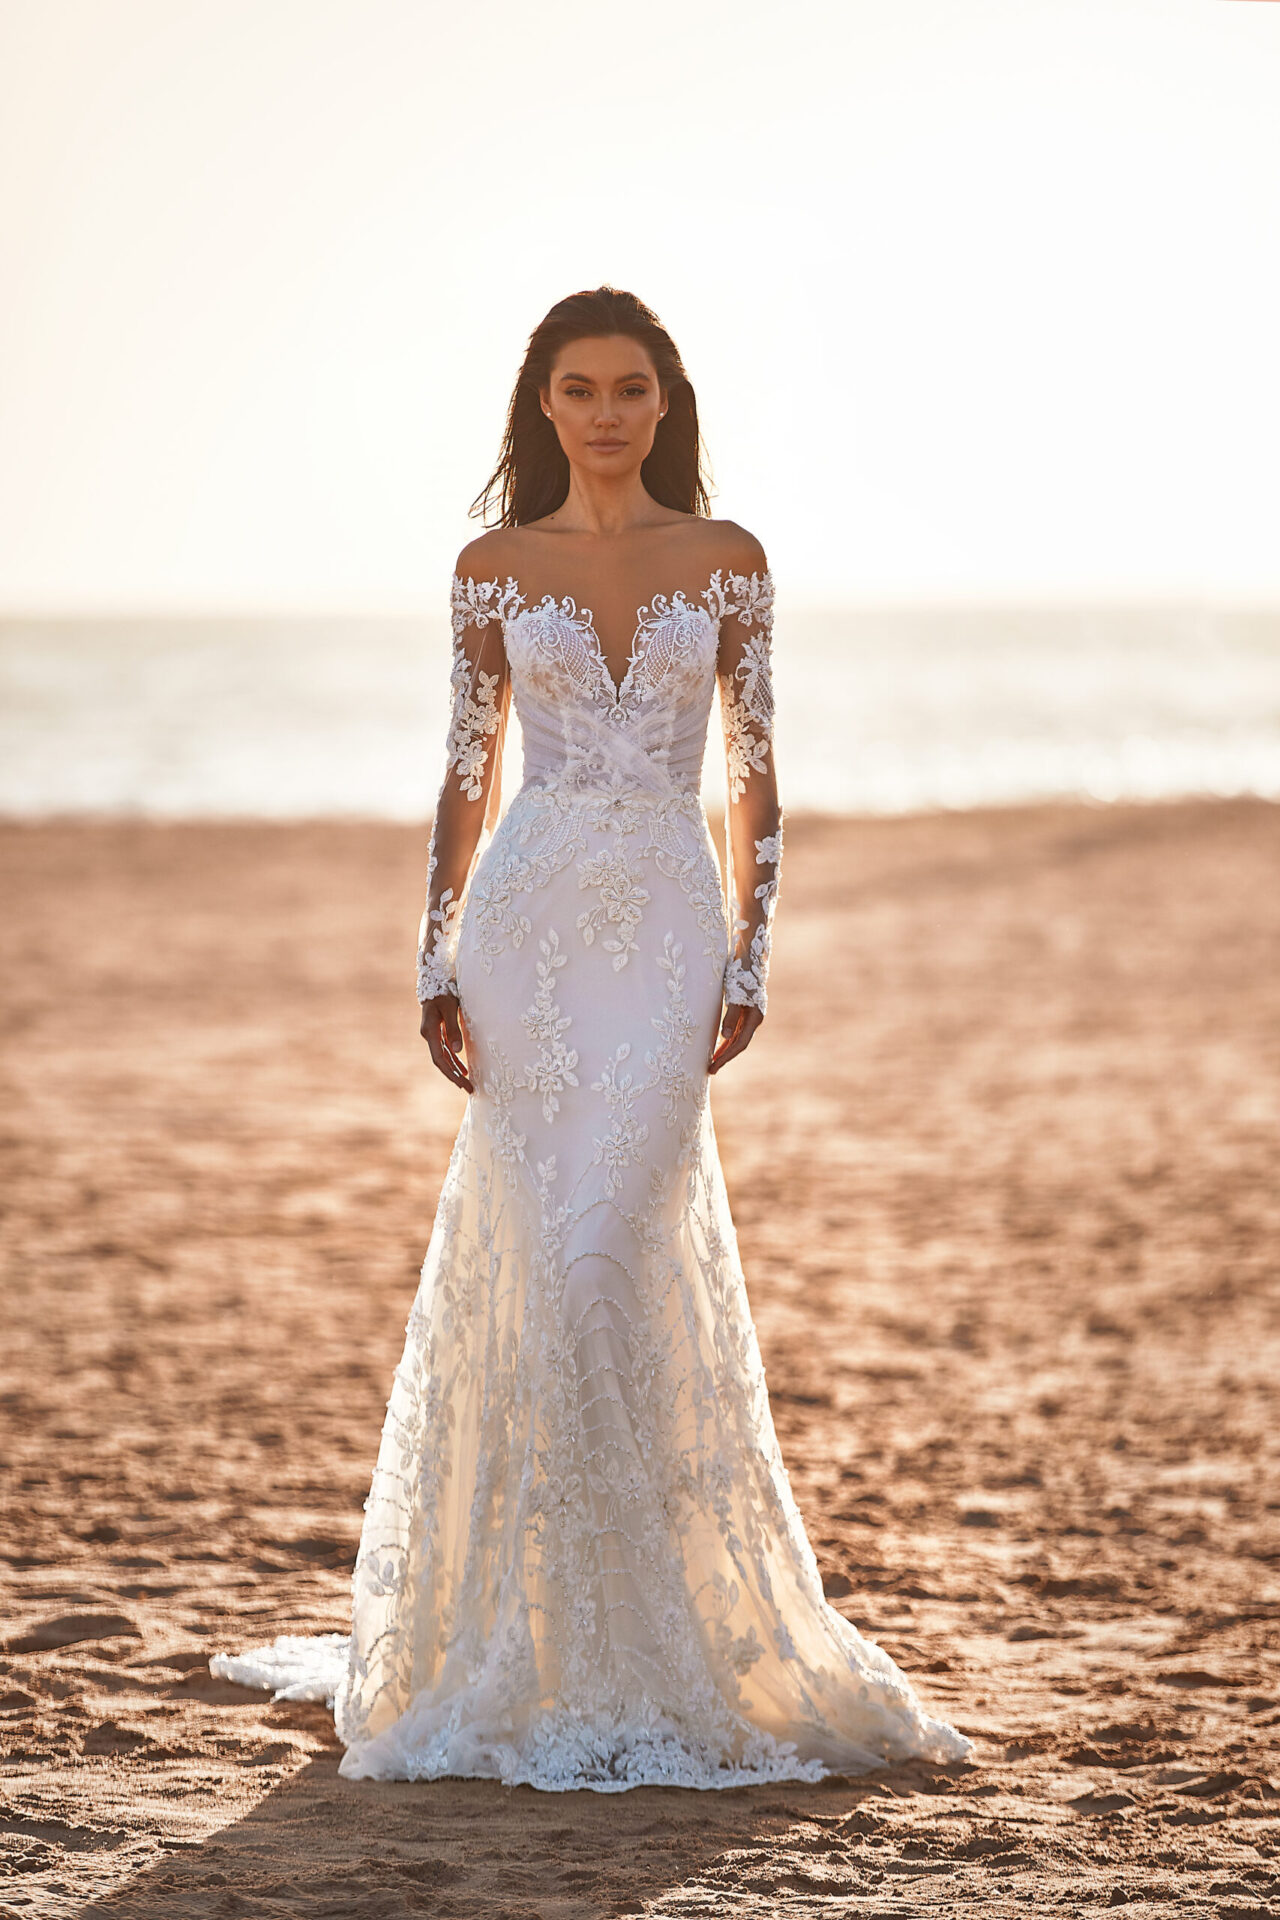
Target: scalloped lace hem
point(556, 1753)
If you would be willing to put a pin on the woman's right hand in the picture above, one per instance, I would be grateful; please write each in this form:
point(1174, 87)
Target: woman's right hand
point(441, 1028)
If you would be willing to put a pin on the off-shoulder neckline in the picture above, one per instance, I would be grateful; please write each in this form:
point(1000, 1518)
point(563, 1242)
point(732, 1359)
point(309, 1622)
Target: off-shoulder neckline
point(723, 582)
point(510, 580)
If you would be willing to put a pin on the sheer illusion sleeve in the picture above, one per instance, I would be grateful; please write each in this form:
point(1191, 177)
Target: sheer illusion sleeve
point(471, 791)
point(753, 824)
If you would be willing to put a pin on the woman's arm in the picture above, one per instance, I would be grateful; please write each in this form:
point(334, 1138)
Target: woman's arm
point(467, 804)
point(753, 824)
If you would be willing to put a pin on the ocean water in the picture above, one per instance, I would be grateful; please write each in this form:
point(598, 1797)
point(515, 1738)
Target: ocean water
point(879, 711)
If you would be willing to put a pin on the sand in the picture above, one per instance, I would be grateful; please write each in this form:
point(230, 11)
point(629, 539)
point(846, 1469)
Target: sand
point(1006, 1168)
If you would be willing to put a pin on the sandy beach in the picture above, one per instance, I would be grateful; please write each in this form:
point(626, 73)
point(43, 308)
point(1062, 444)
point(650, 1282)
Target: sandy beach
point(1005, 1163)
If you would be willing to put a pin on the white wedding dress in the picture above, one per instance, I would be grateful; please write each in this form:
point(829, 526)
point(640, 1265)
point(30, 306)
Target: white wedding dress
point(581, 1562)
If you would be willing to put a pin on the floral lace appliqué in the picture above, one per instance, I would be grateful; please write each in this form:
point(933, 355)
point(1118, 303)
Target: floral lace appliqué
point(621, 904)
point(553, 1069)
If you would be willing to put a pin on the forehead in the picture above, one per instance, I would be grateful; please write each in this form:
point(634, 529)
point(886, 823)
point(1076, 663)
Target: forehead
point(604, 357)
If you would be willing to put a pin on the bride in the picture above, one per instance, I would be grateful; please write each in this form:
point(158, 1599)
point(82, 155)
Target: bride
point(581, 1563)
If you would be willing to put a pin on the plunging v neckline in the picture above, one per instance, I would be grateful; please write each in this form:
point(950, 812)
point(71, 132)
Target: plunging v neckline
point(582, 619)
point(585, 622)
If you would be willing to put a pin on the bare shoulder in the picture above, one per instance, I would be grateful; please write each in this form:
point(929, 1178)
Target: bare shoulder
point(733, 548)
point(491, 556)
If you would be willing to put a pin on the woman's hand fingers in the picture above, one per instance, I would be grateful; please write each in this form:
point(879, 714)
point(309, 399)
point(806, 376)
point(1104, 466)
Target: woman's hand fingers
point(442, 1031)
point(456, 1042)
point(738, 1026)
point(452, 1026)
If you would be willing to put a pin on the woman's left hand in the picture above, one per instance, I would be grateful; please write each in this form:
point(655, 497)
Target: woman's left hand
point(441, 1028)
point(736, 1029)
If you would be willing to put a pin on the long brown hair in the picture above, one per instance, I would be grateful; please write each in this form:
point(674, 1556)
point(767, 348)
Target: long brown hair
point(532, 475)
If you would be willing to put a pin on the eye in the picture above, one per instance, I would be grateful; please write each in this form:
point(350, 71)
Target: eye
point(576, 393)
point(638, 392)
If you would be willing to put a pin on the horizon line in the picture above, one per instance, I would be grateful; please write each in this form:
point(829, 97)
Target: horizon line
point(992, 600)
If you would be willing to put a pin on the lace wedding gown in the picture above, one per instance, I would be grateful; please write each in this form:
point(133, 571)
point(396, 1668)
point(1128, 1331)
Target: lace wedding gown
point(581, 1562)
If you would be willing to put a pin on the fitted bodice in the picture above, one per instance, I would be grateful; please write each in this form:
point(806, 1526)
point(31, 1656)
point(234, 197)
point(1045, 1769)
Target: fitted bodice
point(582, 727)
point(577, 723)
point(633, 740)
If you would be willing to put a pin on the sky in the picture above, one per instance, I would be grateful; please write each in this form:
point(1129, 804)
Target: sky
point(980, 297)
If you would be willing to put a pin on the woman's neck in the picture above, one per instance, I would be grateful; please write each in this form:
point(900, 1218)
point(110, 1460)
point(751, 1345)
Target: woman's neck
point(606, 508)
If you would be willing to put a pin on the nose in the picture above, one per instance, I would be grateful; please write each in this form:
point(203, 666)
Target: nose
point(607, 414)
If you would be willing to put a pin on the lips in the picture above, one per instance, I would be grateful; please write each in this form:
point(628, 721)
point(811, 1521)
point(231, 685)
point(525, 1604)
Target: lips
point(606, 446)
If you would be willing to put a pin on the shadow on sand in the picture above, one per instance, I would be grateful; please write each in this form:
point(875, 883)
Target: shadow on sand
point(320, 1846)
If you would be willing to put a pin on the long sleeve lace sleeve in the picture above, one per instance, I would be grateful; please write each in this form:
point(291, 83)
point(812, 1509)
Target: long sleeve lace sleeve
point(753, 824)
point(470, 793)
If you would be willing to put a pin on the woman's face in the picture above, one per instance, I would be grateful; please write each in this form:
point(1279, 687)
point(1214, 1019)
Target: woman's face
point(605, 403)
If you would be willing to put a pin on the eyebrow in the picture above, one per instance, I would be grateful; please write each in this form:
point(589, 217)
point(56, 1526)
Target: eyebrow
point(586, 380)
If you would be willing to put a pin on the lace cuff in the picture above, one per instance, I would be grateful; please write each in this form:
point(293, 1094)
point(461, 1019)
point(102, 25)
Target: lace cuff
point(436, 944)
point(742, 988)
point(435, 977)
point(745, 977)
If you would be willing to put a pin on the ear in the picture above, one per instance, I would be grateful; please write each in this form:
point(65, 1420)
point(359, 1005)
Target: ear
point(664, 401)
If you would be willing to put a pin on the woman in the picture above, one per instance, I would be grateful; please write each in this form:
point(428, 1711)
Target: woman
point(581, 1563)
